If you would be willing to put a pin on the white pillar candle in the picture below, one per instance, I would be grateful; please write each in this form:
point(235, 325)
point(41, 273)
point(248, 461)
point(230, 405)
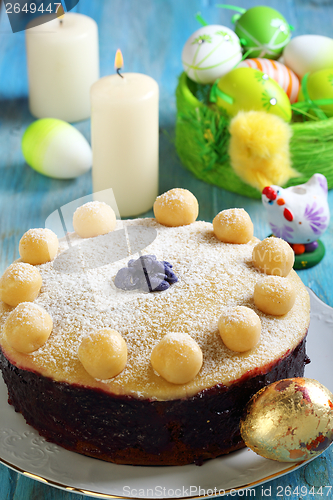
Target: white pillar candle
point(63, 63)
point(124, 136)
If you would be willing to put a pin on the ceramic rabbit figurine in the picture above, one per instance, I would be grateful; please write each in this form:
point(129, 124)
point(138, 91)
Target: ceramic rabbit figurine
point(298, 214)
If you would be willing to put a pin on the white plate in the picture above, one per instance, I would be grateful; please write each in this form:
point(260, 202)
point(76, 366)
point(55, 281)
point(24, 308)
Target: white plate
point(22, 449)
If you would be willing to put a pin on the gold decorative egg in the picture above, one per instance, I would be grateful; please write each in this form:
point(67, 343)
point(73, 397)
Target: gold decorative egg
point(290, 420)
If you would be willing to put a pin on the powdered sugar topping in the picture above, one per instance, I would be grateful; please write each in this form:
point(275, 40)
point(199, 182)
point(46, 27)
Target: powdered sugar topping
point(82, 298)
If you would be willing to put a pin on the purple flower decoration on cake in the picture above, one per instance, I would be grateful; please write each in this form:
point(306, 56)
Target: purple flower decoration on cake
point(147, 274)
point(284, 232)
point(317, 222)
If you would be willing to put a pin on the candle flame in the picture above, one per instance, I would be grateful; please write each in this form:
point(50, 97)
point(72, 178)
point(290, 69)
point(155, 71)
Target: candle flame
point(119, 61)
point(60, 13)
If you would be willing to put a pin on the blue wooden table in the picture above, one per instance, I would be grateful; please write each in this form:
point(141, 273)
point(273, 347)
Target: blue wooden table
point(151, 34)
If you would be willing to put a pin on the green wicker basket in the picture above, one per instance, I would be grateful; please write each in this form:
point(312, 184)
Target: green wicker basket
point(202, 141)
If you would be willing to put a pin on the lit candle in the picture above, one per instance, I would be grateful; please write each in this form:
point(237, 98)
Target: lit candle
point(63, 63)
point(124, 136)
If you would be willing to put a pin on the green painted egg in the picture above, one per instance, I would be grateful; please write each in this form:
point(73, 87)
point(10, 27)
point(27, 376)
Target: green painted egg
point(264, 30)
point(250, 89)
point(56, 149)
point(320, 86)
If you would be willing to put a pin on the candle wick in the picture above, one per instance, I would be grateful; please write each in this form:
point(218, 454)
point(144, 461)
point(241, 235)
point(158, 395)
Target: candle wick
point(61, 22)
point(118, 71)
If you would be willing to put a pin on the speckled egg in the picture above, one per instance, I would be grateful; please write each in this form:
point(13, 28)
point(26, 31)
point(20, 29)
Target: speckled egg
point(211, 52)
point(264, 30)
point(290, 420)
point(308, 53)
point(247, 89)
point(56, 149)
point(320, 86)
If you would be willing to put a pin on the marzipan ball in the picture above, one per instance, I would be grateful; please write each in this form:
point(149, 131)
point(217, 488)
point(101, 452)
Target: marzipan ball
point(233, 226)
point(177, 207)
point(240, 328)
point(274, 295)
point(93, 219)
point(38, 246)
point(103, 354)
point(20, 282)
point(273, 256)
point(28, 327)
point(177, 358)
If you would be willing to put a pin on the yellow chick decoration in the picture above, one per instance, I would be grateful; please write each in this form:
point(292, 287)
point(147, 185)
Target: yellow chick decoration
point(259, 149)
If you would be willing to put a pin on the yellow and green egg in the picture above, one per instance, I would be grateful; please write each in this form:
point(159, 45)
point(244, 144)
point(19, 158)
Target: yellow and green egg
point(247, 89)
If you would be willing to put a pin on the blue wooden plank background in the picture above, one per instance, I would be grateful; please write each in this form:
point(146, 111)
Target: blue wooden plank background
point(151, 34)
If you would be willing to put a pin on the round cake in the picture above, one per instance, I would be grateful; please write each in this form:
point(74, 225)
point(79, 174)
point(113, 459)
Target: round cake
point(137, 415)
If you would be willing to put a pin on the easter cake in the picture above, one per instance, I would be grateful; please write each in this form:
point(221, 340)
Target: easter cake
point(145, 348)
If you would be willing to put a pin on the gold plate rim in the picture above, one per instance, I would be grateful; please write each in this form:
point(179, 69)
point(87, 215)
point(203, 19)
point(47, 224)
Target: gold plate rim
point(97, 494)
